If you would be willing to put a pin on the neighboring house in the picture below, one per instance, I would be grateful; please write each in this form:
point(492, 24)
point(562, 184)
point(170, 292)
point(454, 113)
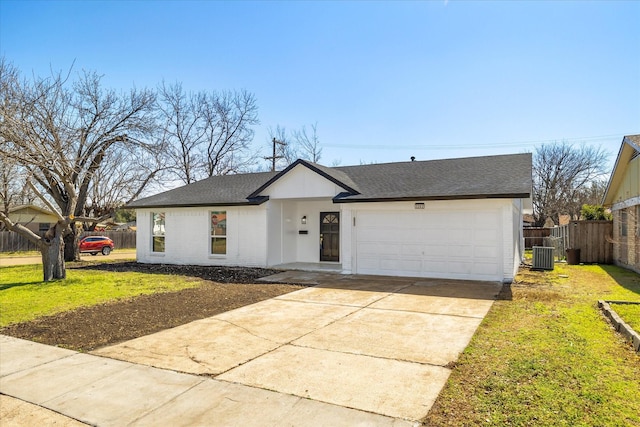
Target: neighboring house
point(33, 217)
point(456, 218)
point(623, 197)
point(127, 226)
point(528, 220)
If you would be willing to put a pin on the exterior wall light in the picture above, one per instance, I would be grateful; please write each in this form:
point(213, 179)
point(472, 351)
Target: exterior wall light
point(304, 219)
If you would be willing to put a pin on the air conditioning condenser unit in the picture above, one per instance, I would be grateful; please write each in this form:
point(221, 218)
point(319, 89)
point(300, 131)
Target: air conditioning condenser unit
point(543, 258)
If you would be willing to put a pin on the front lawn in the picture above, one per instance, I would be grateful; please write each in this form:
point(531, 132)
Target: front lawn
point(24, 296)
point(544, 355)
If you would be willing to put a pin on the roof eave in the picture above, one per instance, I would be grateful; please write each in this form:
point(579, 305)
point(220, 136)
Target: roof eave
point(619, 168)
point(347, 199)
point(252, 202)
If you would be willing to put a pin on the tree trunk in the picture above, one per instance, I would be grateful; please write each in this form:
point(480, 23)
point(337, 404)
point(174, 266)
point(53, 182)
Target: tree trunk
point(52, 250)
point(71, 244)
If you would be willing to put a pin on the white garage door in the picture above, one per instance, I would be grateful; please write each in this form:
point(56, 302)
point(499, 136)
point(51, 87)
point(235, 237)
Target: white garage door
point(460, 245)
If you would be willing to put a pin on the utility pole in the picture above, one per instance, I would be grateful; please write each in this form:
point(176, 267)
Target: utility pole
point(274, 157)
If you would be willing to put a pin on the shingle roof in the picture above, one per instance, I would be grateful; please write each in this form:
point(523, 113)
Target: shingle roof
point(471, 177)
point(506, 176)
point(223, 190)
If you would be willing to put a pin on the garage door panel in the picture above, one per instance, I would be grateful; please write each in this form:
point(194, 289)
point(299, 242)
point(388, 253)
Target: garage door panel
point(457, 236)
point(413, 266)
point(431, 251)
point(485, 235)
point(460, 267)
point(412, 250)
point(484, 268)
point(436, 266)
point(389, 264)
point(459, 251)
point(487, 252)
point(429, 244)
point(481, 219)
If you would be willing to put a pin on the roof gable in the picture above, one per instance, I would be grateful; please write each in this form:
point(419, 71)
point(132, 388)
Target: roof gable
point(629, 152)
point(31, 213)
point(30, 209)
point(310, 179)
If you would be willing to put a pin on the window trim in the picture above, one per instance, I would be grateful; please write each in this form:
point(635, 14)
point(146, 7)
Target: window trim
point(155, 236)
point(213, 236)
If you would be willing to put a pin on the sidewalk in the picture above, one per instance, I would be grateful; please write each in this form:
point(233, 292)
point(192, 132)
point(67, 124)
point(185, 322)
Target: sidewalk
point(118, 254)
point(105, 392)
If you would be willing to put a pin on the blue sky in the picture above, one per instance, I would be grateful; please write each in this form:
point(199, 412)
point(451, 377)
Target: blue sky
point(383, 80)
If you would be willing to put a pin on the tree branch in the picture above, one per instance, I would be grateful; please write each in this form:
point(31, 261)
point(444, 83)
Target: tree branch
point(46, 202)
point(21, 229)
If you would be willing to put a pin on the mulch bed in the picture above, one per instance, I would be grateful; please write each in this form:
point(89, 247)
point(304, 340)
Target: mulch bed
point(88, 328)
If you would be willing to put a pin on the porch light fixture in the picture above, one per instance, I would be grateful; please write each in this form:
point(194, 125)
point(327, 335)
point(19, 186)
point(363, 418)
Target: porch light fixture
point(304, 219)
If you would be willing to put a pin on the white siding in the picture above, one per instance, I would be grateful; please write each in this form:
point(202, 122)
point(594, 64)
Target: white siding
point(301, 183)
point(187, 236)
point(460, 239)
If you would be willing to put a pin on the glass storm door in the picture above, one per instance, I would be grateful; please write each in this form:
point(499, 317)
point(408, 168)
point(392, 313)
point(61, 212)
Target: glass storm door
point(330, 236)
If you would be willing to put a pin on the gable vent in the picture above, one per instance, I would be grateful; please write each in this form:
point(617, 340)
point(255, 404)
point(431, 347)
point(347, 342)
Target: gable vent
point(543, 258)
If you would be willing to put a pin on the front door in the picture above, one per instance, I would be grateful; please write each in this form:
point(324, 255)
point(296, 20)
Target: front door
point(330, 236)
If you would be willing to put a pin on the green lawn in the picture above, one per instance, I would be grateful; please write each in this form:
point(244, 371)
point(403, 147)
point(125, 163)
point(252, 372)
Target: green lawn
point(546, 356)
point(630, 313)
point(24, 296)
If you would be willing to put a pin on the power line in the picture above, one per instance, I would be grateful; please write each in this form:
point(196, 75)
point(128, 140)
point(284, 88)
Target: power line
point(485, 145)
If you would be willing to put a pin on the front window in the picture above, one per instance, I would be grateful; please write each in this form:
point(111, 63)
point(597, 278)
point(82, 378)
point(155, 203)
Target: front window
point(219, 233)
point(158, 231)
point(623, 223)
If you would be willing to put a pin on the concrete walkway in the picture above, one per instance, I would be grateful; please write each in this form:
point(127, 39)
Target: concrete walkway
point(353, 350)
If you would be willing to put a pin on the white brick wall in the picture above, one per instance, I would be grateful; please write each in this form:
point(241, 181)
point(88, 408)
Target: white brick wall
point(187, 236)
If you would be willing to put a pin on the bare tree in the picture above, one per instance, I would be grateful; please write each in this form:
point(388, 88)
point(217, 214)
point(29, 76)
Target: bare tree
point(299, 144)
point(123, 177)
point(62, 132)
point(308, 143)
point(13, 188)
point(207, 133)
point(229, 132)
point(561, 174)
point(183, 131)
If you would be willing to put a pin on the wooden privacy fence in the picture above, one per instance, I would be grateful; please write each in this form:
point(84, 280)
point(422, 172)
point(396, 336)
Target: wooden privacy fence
point(534, 236)
point(13, 242)
point(593, 238)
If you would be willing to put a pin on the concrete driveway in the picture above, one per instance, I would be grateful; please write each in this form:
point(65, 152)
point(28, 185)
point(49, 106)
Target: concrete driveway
point(353, 350)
